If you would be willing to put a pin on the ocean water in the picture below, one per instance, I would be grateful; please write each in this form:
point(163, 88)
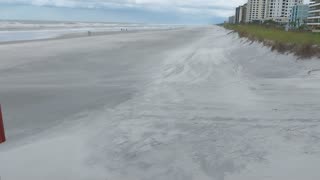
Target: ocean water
point(35, 30)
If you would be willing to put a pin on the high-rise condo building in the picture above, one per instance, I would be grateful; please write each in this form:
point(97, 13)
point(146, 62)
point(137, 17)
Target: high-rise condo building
point(298, 15)
point(231, 20)
point(314, 15)
point(280, 10)
point(241, 14)
point(256, 10)
point(277, 10)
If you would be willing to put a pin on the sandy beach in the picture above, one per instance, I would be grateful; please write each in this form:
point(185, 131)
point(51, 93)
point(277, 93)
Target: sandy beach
point(190, 103)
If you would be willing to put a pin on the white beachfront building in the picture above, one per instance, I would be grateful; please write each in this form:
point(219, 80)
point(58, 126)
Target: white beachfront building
point(280, 10)
point(314, 15)
point(276, 10)
point(256, 10)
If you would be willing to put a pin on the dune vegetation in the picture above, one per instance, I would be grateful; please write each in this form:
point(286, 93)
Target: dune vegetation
point(301, 43)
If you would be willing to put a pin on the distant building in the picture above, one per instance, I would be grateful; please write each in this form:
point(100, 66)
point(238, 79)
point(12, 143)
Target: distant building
point(238, 15)
point(280, 10)
point(232, 19)
point(298, 15)
point(256, 10)
point(241, 14)
point(276, 10)
point(244, 14)
point(314, 15)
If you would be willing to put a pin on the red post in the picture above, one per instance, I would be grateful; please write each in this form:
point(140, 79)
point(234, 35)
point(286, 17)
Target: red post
point(2, 134)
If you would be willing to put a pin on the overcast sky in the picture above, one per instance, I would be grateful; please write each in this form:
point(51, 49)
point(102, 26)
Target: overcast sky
point(157, 11)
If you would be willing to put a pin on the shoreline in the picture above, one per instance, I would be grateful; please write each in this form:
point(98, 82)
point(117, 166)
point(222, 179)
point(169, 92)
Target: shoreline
point(302, 50)
point(18, 31)
point(82, 35)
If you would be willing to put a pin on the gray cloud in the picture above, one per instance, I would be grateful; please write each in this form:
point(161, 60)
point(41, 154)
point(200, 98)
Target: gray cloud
point(219, 8)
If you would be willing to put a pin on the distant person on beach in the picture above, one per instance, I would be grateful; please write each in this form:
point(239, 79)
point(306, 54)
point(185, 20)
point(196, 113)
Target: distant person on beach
point(89, 33)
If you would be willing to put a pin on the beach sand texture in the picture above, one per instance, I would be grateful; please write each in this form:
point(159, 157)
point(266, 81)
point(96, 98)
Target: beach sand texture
point(190, 103)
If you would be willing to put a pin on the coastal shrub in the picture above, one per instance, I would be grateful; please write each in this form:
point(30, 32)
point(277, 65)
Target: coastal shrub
point(307, 51)
point(280, 47)
point(303, 44)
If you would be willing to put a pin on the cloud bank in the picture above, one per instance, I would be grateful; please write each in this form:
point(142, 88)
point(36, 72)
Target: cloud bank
point(220, 8)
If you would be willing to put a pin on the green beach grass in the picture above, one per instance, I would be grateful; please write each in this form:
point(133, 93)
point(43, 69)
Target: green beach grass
point(276, 34)
point(303, 44)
